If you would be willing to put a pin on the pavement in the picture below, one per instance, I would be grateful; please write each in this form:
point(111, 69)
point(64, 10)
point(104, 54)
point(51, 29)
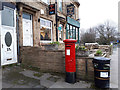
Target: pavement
point(119, 67)
point(114, 69)
point(17, 77)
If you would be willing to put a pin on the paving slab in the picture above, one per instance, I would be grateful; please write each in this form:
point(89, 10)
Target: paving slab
point(7, 85)
point(62, 84)
point(45, 82)
point(30, 73)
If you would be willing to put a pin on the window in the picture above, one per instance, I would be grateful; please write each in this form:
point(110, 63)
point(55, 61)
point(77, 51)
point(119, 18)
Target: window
point(8, 17)
point(45, 29)
point(60, 32)
point(8, 39)
point(72, 32)
point(67, 33)
point(27, 16)
point(60, 5)
point(46, 1)
point(76, 33)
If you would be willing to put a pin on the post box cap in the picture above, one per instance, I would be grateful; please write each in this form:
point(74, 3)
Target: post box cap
point(70, 40)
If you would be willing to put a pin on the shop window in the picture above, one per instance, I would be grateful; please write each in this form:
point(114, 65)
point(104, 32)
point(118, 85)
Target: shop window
point(8, 17)
point(76, 33)
point(60, 31)
point(73, 33)
point(45, 29)
point(60, 5)
point(68, 32)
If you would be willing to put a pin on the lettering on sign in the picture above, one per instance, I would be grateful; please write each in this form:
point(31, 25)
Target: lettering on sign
point(8, 49)
point(103, 74)
point(51, 9)
point(70, 10)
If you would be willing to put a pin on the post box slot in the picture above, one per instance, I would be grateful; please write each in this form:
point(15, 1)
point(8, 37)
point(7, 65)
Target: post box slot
point(68, 46)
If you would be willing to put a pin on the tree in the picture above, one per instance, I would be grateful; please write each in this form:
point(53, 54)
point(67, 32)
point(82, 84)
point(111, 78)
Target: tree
point(89, 36)
point(106, 33)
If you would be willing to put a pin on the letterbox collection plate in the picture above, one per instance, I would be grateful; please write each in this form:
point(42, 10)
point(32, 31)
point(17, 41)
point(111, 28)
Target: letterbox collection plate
point(68, 52)
point(104, 74)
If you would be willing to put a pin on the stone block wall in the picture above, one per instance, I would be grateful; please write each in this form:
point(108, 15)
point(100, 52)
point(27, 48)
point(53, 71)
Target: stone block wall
point(49, 61)
point(84, 67)
point(54, 61)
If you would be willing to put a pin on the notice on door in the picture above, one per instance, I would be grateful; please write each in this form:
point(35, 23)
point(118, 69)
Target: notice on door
point(68, 51)
point(103, 74)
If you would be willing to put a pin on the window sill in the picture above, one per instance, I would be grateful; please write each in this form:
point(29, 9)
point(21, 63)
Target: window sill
point(61, 41)
point(45, 41)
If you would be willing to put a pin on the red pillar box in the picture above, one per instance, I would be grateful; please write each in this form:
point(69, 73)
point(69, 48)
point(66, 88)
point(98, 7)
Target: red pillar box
point(70, 62)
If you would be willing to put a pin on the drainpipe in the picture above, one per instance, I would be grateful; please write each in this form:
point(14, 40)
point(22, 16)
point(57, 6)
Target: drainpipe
point(17, 25)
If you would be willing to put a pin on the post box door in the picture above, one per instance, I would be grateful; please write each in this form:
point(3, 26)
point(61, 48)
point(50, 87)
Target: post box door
point(70, 58)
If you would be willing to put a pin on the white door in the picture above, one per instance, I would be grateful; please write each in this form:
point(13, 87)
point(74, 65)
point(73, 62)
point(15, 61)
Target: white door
point(8, 36)
point(27, 30)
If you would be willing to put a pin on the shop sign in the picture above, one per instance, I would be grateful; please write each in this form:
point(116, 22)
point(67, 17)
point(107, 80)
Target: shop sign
point(70, 10)
point(73, 22)
point(51, 9)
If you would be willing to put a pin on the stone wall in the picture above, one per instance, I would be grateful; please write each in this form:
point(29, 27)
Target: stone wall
point(46, 60)
point(84, 67)
point(54, 61)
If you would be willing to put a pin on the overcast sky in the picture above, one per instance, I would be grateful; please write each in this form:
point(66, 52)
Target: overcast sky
point(94, 12)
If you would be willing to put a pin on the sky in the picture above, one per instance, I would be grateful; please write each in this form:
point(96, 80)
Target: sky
point(95, 12)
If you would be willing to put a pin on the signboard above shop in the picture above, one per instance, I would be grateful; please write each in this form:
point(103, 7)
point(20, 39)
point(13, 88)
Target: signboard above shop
point(51, 9)
point(73, 22)
point(70, 10)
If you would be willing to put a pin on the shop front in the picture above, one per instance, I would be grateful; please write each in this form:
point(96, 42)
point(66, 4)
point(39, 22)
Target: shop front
point(61, 28)
point(72, 29)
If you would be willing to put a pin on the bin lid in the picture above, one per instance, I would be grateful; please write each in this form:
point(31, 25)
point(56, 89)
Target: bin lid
point(70, 41)
point(101, 59)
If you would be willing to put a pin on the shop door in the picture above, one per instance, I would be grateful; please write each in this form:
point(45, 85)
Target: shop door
point(27, 30)
point(8, 36)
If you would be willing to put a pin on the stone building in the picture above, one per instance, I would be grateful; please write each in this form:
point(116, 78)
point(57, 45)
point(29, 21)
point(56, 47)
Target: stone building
point(42, 26)
point(31, 25)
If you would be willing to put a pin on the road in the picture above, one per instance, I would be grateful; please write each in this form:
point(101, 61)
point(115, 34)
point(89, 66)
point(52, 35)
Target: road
point(114, 68)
